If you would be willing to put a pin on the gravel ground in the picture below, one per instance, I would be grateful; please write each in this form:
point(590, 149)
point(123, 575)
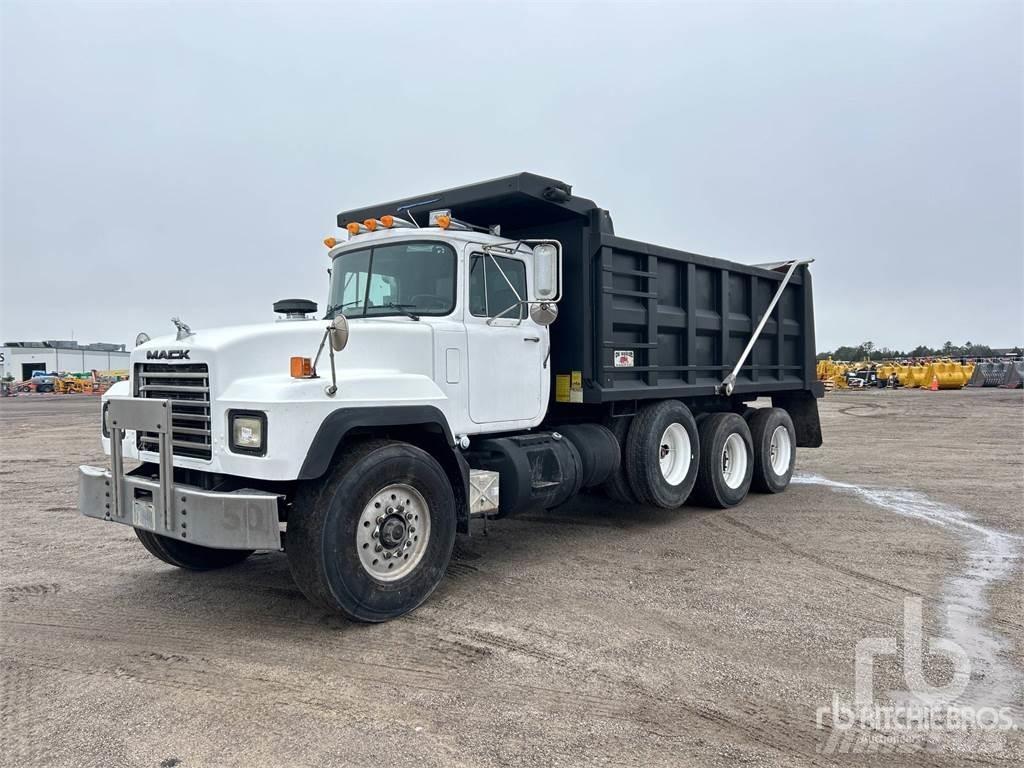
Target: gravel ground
point(597, 634)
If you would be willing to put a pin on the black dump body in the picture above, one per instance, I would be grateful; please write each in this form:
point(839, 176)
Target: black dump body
point(682, 318)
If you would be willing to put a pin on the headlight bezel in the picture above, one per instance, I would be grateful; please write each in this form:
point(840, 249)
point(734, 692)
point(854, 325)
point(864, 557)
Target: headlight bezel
point(249, 450)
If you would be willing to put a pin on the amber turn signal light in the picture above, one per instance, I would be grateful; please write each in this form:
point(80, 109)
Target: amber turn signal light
point(302, 368)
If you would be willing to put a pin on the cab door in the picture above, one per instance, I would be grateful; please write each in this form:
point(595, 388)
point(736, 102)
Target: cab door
point(506, 349)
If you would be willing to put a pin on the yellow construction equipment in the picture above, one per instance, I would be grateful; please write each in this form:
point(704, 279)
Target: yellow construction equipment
point(948, 374)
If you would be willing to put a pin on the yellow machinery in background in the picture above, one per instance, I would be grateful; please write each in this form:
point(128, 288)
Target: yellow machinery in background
point(73, 385)
point(946, 373)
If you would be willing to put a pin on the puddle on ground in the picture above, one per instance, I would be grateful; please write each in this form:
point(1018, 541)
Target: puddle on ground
point(991, 556)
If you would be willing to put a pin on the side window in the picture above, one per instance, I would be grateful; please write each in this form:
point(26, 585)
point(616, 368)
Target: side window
point(493, 288)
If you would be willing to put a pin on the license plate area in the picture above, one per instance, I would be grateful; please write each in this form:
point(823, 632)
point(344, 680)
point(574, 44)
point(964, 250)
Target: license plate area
point(143, 510)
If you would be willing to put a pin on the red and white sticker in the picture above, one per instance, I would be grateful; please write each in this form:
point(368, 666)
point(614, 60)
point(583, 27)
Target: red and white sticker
point(624, 358)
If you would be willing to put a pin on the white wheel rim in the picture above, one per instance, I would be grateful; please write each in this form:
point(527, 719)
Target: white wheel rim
point(674, 454)
point(734, 460)
point(781, 450)
point(392, 532)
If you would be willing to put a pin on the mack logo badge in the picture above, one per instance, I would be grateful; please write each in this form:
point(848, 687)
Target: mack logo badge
point(167, 354)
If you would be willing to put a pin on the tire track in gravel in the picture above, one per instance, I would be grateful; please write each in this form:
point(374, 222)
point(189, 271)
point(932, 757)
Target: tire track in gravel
point(825, 563)
point(186, 661)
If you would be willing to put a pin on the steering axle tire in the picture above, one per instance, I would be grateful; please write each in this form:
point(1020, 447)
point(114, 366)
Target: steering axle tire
point(372, 538)
point(191, 557)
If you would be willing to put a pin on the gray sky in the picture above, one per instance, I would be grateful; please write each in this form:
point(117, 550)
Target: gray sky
point(187, 158)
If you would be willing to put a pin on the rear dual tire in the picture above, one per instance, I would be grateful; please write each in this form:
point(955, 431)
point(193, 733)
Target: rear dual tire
point(726, 461)
point(661, 454)
point(774, 440)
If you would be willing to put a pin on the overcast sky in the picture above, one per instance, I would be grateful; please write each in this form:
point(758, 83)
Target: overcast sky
point(188, 158)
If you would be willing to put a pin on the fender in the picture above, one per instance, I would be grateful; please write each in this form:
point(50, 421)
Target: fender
point(338, 423)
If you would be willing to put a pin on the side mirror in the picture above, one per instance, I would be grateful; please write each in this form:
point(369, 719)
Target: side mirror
point(544, 313)
point(338, 333)
point(547, 271)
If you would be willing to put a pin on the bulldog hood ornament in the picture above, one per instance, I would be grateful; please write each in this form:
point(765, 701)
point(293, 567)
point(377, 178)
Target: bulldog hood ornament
point(183, 330)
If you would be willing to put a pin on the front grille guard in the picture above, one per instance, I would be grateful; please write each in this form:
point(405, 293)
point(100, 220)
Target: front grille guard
point(140, 415)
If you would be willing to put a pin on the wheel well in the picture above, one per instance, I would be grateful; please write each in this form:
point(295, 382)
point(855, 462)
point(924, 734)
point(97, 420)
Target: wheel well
point(428, 437)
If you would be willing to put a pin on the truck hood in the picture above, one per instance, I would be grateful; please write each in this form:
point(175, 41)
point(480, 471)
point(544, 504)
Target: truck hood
point(242, 352)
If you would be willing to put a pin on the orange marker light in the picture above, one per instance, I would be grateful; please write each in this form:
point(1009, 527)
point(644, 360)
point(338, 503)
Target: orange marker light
point(330, 242)
point(443, 221)
point(353, 228)
point(387, 220)
point(302, 368)
point(370, 224)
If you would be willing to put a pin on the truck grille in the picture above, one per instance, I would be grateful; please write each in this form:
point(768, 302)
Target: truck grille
point(187, 386)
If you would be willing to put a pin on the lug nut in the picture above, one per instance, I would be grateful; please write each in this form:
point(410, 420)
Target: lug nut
point(387, 555)
point(380, 520)
point(408, 515)
point(375, 534)
point(412, 529)
point(378, 548)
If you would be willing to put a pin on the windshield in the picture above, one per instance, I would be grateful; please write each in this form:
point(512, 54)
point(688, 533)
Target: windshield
point(409, 279)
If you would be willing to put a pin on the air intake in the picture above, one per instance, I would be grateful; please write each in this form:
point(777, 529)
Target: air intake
point(295, 309)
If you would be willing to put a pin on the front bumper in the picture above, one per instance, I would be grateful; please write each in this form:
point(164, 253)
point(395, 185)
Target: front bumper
point(245, 519)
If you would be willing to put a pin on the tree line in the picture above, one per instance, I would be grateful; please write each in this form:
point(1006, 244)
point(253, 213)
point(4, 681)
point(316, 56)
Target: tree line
point(868, 350)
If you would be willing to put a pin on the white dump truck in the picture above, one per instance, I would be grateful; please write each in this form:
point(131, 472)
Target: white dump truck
point(485, 349)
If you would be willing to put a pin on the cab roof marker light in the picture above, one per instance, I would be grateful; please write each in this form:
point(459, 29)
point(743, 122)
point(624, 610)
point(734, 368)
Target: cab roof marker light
point(371, 224)
point(355, 228)
point(330, 242)
point(444, 219)
point(393, 222)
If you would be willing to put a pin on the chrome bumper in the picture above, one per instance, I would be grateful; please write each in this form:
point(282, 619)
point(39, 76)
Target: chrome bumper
point(245, 519)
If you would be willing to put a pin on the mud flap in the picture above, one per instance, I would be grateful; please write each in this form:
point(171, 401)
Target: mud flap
point(802, 407)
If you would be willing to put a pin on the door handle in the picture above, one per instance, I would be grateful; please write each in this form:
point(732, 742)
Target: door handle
point(532, 338)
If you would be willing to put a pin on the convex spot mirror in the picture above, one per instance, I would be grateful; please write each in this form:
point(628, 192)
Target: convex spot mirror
point(544, 313)
point(547, 271)
point(338, 333)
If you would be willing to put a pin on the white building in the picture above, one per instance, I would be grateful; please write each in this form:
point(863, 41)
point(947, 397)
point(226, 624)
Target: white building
point(20, 358)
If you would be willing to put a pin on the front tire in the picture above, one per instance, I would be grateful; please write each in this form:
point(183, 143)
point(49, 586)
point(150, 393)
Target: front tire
point(373, 538)
point(726, 461)
point(191, 557)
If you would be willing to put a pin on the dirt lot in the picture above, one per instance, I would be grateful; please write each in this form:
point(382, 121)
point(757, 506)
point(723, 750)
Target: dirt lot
point(597, 634)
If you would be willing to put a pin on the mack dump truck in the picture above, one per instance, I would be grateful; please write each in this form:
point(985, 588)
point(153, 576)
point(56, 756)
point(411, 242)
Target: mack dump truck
point(485, 349)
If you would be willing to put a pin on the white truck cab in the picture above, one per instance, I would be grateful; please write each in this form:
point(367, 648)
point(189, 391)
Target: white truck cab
point(360, 441)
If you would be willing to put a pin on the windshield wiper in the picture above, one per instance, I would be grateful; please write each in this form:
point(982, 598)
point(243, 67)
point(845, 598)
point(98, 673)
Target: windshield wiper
point(329, 314)
point(403, 308)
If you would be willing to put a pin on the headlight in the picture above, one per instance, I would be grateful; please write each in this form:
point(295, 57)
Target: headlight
point(248, 432)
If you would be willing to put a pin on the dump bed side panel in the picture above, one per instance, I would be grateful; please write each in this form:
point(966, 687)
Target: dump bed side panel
point(684, 320)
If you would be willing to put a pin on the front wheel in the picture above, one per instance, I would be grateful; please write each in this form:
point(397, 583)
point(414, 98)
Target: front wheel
point(191, 557)
point(373, 538)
